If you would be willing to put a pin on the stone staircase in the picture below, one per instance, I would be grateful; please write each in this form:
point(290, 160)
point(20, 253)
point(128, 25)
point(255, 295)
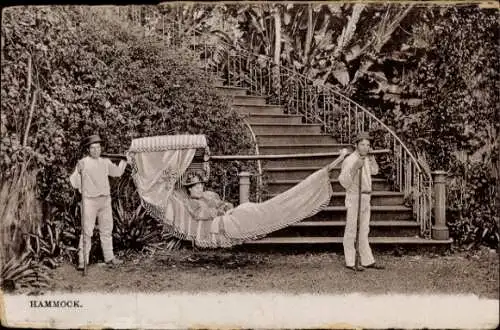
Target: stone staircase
point(392, 222)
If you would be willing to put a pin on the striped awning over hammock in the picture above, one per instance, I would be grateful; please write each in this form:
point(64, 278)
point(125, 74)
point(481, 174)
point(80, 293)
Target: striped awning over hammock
point(159, 164)
point(167, 142)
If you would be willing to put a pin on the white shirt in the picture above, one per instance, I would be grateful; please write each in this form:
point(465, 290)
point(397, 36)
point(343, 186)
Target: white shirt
point(349, 177)
point(95, 176)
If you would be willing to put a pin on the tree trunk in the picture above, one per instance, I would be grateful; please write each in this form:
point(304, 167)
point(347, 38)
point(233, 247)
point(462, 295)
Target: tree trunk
point(277, 35)
point(309, 34)
point(277, 51)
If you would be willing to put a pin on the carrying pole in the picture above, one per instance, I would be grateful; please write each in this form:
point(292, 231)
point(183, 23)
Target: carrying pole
point(84, 245)
point(358, 217)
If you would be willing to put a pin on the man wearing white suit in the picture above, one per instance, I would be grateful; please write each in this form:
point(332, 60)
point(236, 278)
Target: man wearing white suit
point(359, 162)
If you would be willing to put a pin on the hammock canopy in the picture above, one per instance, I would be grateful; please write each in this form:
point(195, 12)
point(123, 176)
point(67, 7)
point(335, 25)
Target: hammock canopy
point(158, 166)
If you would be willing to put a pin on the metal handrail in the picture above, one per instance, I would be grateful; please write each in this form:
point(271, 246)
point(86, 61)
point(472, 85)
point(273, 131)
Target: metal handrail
point(261, 156)
point(288, 156)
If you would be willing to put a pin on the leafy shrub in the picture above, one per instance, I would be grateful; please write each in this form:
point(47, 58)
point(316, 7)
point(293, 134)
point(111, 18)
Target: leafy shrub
point(472, 216)
point(134, 230)
point(20, 214)
point(19, 209)
point(100, 79)
point(456, 78)
point(21, 272)
point(92, 75)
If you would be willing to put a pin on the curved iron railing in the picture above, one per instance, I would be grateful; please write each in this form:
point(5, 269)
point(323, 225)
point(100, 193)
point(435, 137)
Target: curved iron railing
point(340, 116)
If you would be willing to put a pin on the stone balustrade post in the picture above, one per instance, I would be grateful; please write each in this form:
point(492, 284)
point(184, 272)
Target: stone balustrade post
point(244, 187)
point(439, 229)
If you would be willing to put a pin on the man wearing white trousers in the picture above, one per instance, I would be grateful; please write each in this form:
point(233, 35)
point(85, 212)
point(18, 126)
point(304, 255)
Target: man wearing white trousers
point(96, 199)
point(359, 162)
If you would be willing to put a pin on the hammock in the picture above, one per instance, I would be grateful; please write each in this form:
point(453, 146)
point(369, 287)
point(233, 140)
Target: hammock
point(158, 166)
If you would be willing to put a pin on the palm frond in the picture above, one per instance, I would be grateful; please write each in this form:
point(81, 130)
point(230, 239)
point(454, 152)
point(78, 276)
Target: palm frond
point(348, 31)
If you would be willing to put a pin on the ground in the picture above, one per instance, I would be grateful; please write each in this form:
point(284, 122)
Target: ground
point(305, 272)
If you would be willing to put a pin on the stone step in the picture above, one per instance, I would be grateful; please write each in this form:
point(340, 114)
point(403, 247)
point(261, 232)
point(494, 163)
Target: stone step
point(378, 198)
point(279, 186)
point(261, 128)
point(298, 162)
point(295, 139)
point(380, 223)
point(298, 173)
point(318, 160)
point(261, 109)
point(378, 213)
point(338, 240)
point(274, 119)
point(249, 100)
point(295, 173)
point(231, 91)
point(278, 149)
point(336, 229)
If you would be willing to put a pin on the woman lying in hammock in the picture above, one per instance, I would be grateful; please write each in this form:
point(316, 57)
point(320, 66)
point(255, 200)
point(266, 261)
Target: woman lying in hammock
point(203, 205)
point(202, 217)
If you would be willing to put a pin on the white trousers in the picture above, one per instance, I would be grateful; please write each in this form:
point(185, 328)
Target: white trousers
point(100, 208)
point(365, 252)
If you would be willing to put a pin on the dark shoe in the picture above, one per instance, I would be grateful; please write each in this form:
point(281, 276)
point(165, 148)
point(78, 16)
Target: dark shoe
point(79, 267)
point(114, 262)
point(374, 266)
point(355, 269)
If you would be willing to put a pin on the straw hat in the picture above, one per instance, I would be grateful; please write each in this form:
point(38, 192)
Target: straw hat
point(362, 136)
point(91, 140)
point(193, 178)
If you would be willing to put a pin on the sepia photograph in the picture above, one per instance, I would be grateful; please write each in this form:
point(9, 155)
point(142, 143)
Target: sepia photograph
point(251, 164)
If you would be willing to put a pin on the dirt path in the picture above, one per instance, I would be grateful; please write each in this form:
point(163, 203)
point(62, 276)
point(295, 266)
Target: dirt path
point(222, 271)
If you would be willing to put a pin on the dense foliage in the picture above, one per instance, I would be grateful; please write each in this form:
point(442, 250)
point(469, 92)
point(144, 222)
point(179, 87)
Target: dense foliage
point(456, 124)
point(473, 214)
point(81, 73)
point(96, 78)
point(341, 45)
point(457, 81)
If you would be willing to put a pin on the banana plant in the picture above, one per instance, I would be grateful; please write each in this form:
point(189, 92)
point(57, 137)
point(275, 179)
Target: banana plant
point(347, 46)
point(337, 44)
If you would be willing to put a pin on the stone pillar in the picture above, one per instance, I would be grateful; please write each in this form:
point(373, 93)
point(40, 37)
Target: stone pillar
point(439, 229)
point(244, 187)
